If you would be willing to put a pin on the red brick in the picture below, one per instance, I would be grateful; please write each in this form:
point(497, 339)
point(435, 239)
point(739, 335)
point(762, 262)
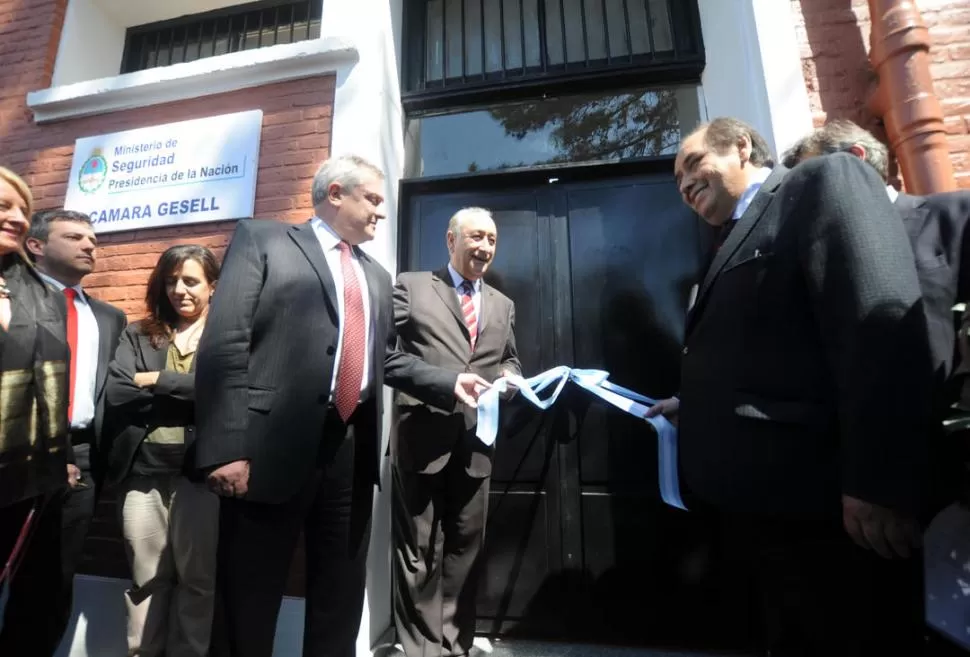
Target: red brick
point(955, 125)
point(834, 63)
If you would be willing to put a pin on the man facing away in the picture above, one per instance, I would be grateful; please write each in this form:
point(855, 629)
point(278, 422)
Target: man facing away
point(936, 225)
point(63, 247)
point(453, 319)
point(805, 395)
point(937, 229)
point(299, 343)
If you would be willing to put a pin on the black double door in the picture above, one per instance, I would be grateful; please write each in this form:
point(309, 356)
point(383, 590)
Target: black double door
point(579, 544)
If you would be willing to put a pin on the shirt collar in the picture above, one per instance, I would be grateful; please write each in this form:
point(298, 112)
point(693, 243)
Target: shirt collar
point(57, 285)
point(893, 194)
point(327, 235)
point(758, 178)
point(458, 279)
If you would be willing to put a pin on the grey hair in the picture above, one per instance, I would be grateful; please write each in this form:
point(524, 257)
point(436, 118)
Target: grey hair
point(838, 136)
point(346, 170)
point(454, 224)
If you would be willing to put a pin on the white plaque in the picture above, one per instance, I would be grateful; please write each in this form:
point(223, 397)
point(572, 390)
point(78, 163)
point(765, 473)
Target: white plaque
point(168, 175)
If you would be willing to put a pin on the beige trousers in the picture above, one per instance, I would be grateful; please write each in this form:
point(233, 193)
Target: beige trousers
point(171, 528)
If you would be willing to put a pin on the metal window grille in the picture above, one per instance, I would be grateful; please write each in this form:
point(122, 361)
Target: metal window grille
point(467, 42)
point(244, 27)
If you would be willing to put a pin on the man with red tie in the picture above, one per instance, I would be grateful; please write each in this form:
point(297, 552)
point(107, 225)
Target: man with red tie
point(452, 319)
point(63, 247)
point(298, 344)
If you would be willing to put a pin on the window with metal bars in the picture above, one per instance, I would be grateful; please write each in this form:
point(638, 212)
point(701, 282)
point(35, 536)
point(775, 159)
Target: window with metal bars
point(243, 27)
point(459, 44)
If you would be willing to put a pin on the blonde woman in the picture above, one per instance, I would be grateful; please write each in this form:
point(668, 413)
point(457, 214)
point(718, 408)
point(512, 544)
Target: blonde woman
point(34, 358)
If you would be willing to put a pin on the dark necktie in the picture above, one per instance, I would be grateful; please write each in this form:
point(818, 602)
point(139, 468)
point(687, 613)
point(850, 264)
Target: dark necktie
point(350, 370)
point(70, 294)
point(468, 311)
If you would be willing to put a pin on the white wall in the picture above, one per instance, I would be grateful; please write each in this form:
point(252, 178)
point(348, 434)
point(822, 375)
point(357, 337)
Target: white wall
point(92, 43)
point(93, 38)
point(754, 70)
point(368, 121)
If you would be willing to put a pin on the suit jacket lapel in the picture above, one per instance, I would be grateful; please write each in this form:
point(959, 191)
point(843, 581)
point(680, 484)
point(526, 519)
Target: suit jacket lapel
point(912, 210)
point(741, 230)
point(153, 359)
point(308, 243)
point(103, 321)
point(445, 288)
point(487, 304)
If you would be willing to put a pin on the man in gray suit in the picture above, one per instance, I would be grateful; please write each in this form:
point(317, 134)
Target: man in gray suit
point(452, 319)
point(298, 344)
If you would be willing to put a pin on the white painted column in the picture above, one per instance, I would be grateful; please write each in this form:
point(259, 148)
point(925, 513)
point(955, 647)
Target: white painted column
point(754, 69)
point(368, 121)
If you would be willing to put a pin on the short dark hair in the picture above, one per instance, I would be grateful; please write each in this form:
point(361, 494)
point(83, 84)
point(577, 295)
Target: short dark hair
point(801, 149)
point(724, 132)
point(162, 317)
point(839, 135)
point(40, 223)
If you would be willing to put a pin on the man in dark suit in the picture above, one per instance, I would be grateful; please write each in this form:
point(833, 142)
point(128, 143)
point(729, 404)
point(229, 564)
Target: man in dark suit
point(452, 319)
point(805, 394)
point(937, 229)
point(63, 247)
point(936, 225)
point(299, 342)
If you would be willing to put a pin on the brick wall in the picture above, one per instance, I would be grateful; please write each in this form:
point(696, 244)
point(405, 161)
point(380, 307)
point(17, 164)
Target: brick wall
point(295, 138)
point(834, 39)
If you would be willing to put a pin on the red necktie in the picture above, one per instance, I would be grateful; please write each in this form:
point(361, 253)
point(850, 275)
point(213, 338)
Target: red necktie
point(468, 310)
point(70, 294)
point(350, 370)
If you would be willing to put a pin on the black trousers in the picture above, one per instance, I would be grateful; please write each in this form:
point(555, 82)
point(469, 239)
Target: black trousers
point(30, 625)
point(802, 588)
point(41, 600)
point(256, 545)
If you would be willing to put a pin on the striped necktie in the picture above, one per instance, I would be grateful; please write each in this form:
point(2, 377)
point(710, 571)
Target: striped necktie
point(350, 371)
point(468, 310)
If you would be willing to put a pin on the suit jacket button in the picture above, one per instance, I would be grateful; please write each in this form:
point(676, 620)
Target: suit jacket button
point(331, 350)
point(684, 351)
point(467, 369)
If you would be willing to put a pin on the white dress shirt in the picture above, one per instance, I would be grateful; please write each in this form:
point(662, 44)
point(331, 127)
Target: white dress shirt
point(328, 242)
point(458, 279)
point(86, 358)
point(757, 180)
point(893, 194)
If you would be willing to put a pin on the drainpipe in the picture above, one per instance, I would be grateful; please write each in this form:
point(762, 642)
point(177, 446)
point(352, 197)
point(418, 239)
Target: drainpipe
point(911, 112)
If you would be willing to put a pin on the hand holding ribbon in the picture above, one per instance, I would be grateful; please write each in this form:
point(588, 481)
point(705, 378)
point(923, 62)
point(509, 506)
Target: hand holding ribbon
point(597, 383)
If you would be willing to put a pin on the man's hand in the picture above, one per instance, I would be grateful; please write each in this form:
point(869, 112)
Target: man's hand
point(230, 480)
point(73, 475)
point(877, 528)
point(510, 390)
point(669, 408)
point(146, 379)
point(469, 387)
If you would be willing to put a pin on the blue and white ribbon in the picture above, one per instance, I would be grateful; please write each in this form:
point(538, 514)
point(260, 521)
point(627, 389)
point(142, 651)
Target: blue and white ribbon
point(596, 382)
